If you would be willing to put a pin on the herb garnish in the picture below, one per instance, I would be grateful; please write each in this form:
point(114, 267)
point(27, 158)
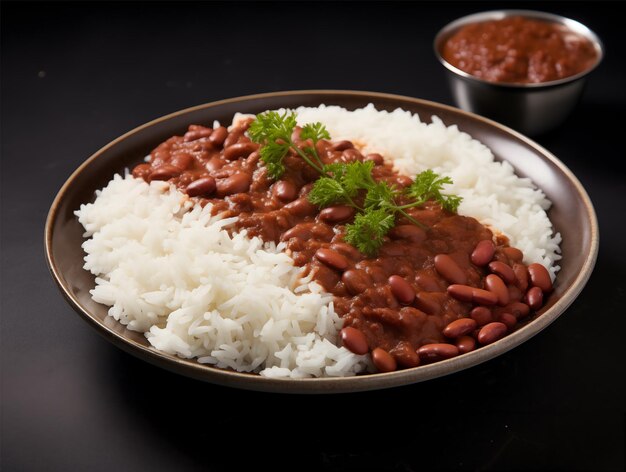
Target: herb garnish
point(347, 183)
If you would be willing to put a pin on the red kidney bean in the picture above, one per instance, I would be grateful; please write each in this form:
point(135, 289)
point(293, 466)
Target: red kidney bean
point(518, 309)
point(503, 270)
point(465, 344)
point(449, 269)
point(428, 302)
point(322, 232)
point(460, 327)
point(233, 137)
point(346, 249)
point(461, 292)
point(165, 172)
point(354, 340)
point(521, 274)
point(341, 145)
point(494, 284)
point(336, 214)
point(491, 332)
point(374, 156)
point(236, 183)
point(285, 190)
point(195, 134)
point(351, 155)
point(218, 136)
point(515, 294)
point(437, 352)
point(142, 171)
point(508, 319)
point(302, 231)
point(203, 186)
point(412, 233)
point(383, 361)
point(214, 164)
point(405, 355)
point(534, 298)
point(182, 160)
point(514, 254)
point(332, 258)
point(404, 180)
point(401, 289)
point(301, 207)
point(540, 277)
point(482, 315)
point(483, 297)
point(356, 281)
point(428, 283)
point(239, 150)
point(483, 253)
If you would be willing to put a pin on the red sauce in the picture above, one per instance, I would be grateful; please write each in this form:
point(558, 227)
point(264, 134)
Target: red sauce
point(236, 184)
point(519, 50)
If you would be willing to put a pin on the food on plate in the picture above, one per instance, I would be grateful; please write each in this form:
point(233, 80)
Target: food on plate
point(269, 247)
point(517, 49)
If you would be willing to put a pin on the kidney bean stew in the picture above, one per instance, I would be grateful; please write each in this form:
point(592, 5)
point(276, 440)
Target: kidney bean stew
point(430, 293)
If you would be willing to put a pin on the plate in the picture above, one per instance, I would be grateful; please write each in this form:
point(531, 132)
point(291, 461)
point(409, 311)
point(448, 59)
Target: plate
point(572, 215)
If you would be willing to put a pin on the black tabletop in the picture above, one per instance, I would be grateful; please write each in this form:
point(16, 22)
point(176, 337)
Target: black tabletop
point(77, 75)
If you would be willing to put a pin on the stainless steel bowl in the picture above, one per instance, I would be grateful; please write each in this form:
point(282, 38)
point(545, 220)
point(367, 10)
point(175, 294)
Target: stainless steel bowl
point(530, 108)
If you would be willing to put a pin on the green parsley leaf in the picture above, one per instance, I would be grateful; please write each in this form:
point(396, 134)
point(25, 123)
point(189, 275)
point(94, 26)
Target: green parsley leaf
point(428, 186)
point(315, 132)
point(368, 230)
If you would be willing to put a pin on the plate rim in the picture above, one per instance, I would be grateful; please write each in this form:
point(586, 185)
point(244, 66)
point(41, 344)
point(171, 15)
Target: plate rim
point(249, 381)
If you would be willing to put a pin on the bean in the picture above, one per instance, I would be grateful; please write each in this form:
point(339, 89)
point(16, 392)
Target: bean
point(377, 158)
point(344, 248)
point(518, 309)
point(428, 302)
point(356, 281)
point(203, 186)
point(233, 137)
point(323, 232)
point(301, 207)
point(213, 164)
point(461, 292)
point(351, 155)
point(503, 270)
point(285, 190)
point(165, 172)
point(354, 340)
point(494, 284)
point(142, 171)
point(332, 258)
point(465, 344)
point(336, 214)
point(540, 277)
point(491, 332)
point(449, 269)
point(460, 327)
point(514, 254)
point(341, 146)
point(483, 253)
point(508, 319)
point(218, 136)
point(482, 315)
point(236, 183)
point(428, 283)
point(405, 355)
point(236, 151)
point(195, 134)
point(521, 274)
point(302, 231)
point(182, 160)
point(383, 361)
point(483, 297)
point(401, 289)
point(412, 233)
point(404, 180)
point(534, 298)
point(437, 352)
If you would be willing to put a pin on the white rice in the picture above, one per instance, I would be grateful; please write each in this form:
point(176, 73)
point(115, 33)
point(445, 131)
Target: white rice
point(167, 268)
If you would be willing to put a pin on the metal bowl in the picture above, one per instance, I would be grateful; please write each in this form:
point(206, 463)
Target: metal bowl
point(532, 108)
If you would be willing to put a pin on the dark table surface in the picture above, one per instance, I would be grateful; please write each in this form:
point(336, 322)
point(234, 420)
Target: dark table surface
point(75, 76)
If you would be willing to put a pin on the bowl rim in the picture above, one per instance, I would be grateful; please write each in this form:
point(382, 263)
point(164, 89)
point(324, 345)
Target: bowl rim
point(577, 27)
point(403, 377)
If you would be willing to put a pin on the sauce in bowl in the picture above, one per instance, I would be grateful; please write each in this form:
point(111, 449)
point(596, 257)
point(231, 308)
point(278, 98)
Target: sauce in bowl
point(519, 50)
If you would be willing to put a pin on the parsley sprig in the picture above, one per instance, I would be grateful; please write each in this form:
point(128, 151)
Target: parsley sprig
point(347, 183)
